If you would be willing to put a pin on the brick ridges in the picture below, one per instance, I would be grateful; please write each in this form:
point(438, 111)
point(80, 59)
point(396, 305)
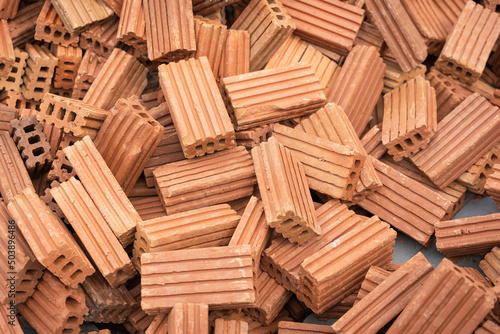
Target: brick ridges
point(363, 70)
point(206, 7)
point(330, 24)
point(210, 40)
point(410, 118)
point(399, 32)
point(235, 54)
point(491, 265)
point(451, 290)
point(386, 300)
point(332, 169)
point(50, 28)
point(49, 239)
point(272, 95)
point(8, 9)
point(14, 78)
point(199, 114)
point(54, 307)
point(475, 177)
point(169, 29)
point(188, 318)
point(126, 140)
point(369, 35)
point(107, 304)
point(196, 183)
point(252, 229)
point(148, 207)
point(469, 43)
point(473, 124)
point(488, 327)
point(374, 276)
point(223, 277)
point(395, 77)
point(78, 15)
point(13, 174)
point(39, 71)
point(103, 189)
point(327, 276)
point(270, 299)
point(138, 319)
point(158, 325)
point(89, 68)
point(338, 309)
point(160, 111)
point(101, 39)
point(28, 269)
point(391, 203)
point(92, 230)
point(372, 142)
point(230, 327)
point(295, 50)
point(22, 27)
point(264, 42)
point(282, 259)
point(7, 56)
point(206, 227)
point(474, 235)
point(168, 150)
point(287, 327)
point(73, 116)
point(122, 75)
point(331, 123)
point(283, 187)
point(7, 327)
point(132, 25)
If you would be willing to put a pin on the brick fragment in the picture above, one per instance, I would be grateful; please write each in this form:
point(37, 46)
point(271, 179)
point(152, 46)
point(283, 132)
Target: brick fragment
point(235, 54)
point(206, 7)
point(186, 318)
point(132, 25)
point(161, 289)
point(488, 327)
point(395, 77)
point(8, 8)
point(19, 102)
point(101, 39)
point(286, 327)
point(138, 319)
point(49, 239)
point(61, 169)
point(253, 137)
point(13, 174)
point(106, 304)
point(449, 291)
point(14, 79)
point(327, 277)
point(285, 194)
point(50, 27)
point(469, 43)
point(297, 310)
point(90, 226)
point(387, 300)
point(295, 50)
point(372, 142)
point(170, 36)
point(331, 123)
point(440, 161)
point(272, 95)
point(67, 67)
point(253, 326)
point(369, 35)
point(210, 40)
point(73, 116)
point(475, 177)
point(160, 112)
point(38, 76)
point(28, 270)
point(6, 116)
point(103, 189)
point(127, 139)
point(490, 265)
point(374, 276)
point(22, 27)
point(202, 123)
point(269, 27)
point(78, 15)
point(122, 75)
point(399, 32)
point(158, 325)
point(271, 297)
point(434, 20)
point(332, 25)
point(210, 226)
point(54, 307)
point(196, 183)
point(7, 56)
point(87, 71)
point(230, 327)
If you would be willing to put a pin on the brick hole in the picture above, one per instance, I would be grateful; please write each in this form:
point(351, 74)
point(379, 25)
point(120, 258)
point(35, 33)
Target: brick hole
point(352, 175)
point(30, 272)
point(137, 107)
point(210, 146)
point(44, 69)
point(398, 148)
point(67, 36)
point(57, 34)
point(50, 110)
point(468, 75)
point(303, 233)
point(287, 280)
point(18, 60)
point(72, 116)
point(34, 139)
point(67, 267)
point(447, 84)
point(2, 66)
point(106, 50)
point(61, 113)
point(408, 142)
point(40, 79)
point(68, 331)
point(11, 79)
point(38, 151)
point(449, 65)
point(18, 104)
point(69, 72)
point(47, 30)
point(357, 163)
point(271, 2)
point(268, 135)
point(14, 69)
point(59, 260)
point(287, 222)
point(86, 82)
point(144, 115)
point(482, 176)
point(120, 275)
point(458, 69)
point(418, 137)
point(222, 142)
point(497, 8)
point(76, 274)
point(295, 228)
point(199, 149)
point(67, 80)
point(72, 320)
point(349, 187)
point(97, 45)
point(84, 91)
point(38, 90)
point(279, 17)
point(29, 128)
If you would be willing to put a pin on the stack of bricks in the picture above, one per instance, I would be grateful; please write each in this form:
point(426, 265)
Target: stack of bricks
point(230, 167)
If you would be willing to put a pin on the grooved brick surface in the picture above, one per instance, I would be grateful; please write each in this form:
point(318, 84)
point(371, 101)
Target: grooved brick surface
point(38, 75)
point(78, 15)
